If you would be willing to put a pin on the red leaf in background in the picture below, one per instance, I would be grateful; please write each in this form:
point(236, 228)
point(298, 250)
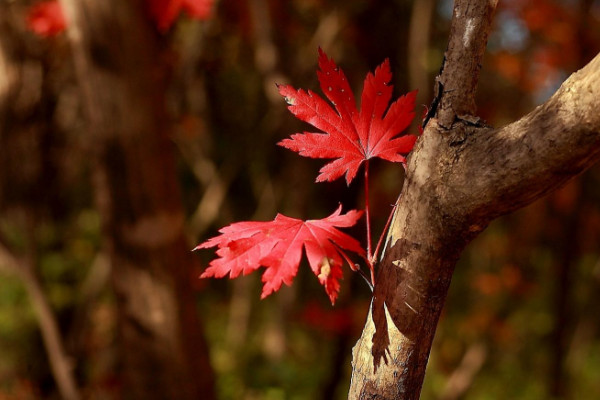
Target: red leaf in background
point(46, 18)
point(164, 12)
point(277, 245)
point(330, 321)
point(350, 137)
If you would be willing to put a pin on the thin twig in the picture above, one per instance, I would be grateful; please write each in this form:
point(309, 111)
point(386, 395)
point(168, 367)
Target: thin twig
point(462, 378)
point(60, 364)
point(385, 229)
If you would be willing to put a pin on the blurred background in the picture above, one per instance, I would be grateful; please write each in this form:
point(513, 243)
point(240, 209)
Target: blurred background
point(521, 320)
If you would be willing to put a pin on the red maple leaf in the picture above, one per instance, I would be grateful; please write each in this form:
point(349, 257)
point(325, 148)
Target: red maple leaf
point(46, 18)
point(164, 12)
point(277, 245)
point(350, 136)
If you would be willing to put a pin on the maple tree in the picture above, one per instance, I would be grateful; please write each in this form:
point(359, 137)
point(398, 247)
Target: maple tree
point(352, 137)
point(461, 175)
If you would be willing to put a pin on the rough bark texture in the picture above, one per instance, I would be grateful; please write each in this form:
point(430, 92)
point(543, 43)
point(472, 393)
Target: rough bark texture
point(122, 75)
point(460, 176)
point(471, 22)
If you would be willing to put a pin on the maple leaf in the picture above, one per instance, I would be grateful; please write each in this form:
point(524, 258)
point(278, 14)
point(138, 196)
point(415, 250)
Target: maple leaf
point(164, 12)
point(277, 245)
point(46, 18)
point(350, 136)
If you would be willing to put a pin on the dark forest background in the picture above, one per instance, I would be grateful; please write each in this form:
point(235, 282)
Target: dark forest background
point(521, 320)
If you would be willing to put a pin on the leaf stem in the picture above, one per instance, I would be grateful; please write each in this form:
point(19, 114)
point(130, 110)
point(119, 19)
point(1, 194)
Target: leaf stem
point(385, 229)
point(367, 212)
point(370, 258)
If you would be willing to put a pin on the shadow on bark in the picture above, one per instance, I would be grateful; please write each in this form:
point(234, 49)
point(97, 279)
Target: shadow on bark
point(401, 304)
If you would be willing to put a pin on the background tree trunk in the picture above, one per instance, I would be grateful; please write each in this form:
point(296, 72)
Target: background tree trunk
point(460, 176)
point(122, 73)
point(20, 187)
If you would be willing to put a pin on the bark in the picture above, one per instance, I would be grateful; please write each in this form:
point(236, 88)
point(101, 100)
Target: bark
point(122, 72)
point(460, 176)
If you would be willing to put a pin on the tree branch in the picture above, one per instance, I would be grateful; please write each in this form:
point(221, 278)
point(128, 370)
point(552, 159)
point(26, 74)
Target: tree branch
point(502, 170)
point(471, 24)
point(462, 378)
point(460, 175)
point(60, 363)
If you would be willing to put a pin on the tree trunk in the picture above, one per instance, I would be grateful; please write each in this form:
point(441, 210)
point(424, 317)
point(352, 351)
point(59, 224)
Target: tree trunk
point(460, 176)
point(20, 183)
point(123, 73)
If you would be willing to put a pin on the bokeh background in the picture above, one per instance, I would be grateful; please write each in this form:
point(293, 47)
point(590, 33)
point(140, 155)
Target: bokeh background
point(521, 320)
